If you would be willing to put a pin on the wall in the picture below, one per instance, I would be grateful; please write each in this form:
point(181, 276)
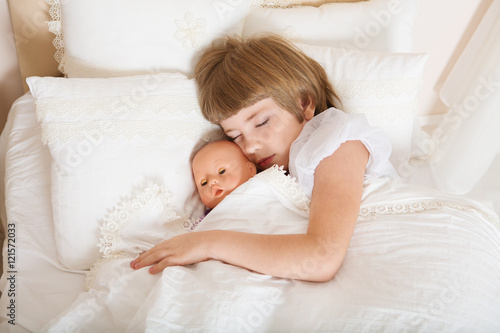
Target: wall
point(442, 29)
point(10, 77)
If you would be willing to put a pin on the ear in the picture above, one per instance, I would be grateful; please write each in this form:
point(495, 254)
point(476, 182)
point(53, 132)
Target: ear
point(252, 168)
point(308, 107)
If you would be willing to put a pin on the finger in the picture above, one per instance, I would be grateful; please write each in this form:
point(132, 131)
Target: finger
point(160, 266)
point(134, 262)
point(138, 262)
point(141, 257)
point(154, 269)
point(151, 258)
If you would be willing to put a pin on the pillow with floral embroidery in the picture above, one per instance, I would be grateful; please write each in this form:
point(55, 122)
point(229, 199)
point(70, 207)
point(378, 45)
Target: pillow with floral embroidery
point(103, 38)
point(108, 139)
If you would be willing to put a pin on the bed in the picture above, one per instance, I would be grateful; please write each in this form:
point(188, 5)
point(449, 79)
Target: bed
point(95, 158)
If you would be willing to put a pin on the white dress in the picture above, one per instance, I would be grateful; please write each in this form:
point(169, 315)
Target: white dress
point(323, 134)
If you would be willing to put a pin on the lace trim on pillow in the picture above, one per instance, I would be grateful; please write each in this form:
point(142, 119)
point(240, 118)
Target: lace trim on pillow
point(96, 130)
point(287, 186)
point(350, 89)
point(128, 211)
point(276, 3)
point(123, 214)
point(419, 206)
point(91, 275)
point(56, 28)
point(376, 114)
point(116, 106)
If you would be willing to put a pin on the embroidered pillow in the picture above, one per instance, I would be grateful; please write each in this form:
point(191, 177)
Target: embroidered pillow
point(108, 139)
point(383, 86)
point(375, 25)
point(103, 38)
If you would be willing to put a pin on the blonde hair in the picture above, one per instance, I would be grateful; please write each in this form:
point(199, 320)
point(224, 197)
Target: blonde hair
point(235, 73)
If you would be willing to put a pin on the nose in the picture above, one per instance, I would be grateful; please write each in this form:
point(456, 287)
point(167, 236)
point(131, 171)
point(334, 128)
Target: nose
point(252, 146)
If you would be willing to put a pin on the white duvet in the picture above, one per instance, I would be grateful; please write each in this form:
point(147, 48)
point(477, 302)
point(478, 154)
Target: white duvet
point(418, 261)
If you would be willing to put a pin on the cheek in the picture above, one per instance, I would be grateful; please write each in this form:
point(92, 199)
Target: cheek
point(268, 134)
point(232, 182)
point(286, 129)
point(207, 201)
point(280, 125)
point(203, 194)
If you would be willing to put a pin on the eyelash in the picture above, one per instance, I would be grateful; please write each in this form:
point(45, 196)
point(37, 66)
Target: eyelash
point(256, 126)
point(263, 123)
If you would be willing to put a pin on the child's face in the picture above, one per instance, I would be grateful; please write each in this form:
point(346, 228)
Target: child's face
point(218, 168)
point(265, 132)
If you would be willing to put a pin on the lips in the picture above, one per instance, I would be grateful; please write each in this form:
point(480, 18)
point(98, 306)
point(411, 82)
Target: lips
point(265, 162)
point(216, 192)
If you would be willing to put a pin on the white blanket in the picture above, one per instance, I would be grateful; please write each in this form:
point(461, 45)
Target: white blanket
point(418, 261)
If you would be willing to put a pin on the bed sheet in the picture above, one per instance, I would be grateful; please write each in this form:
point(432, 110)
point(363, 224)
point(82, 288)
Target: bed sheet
point(419, 261)
point(36, 286)
point(378, 286)
point(488, 187)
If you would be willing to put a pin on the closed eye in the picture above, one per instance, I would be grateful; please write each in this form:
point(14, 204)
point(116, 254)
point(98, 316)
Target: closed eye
point(221, 171)
point(203, 182)
point(234, 138)
point(263, 123)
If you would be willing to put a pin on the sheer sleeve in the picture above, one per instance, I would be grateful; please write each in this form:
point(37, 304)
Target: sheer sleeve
point(323, 134)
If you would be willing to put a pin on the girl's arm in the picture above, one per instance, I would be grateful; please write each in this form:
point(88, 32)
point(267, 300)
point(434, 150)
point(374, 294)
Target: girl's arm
point(314, 256)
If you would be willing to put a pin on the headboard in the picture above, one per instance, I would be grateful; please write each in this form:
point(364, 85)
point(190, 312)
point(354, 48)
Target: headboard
point(35, 51)
point(34, 42)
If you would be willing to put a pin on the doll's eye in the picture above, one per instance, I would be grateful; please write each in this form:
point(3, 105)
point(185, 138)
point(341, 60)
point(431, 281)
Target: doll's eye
point(221, 171)
point(203, 182)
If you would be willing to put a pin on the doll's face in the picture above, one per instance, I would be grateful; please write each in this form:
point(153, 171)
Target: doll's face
point(218, 168)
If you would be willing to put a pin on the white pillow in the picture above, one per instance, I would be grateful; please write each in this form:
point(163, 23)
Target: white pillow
point(109, 138)
point(375, 25)
point(105, 38)
point(383, 86)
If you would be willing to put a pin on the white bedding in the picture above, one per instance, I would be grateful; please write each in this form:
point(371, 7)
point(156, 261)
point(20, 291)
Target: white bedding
point(43, 287)
point(418, 261)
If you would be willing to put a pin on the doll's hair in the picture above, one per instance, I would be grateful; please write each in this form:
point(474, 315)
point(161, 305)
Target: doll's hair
point(235, 73)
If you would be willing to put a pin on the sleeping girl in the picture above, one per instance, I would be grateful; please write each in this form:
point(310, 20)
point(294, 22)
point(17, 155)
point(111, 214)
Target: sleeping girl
point(277, 105)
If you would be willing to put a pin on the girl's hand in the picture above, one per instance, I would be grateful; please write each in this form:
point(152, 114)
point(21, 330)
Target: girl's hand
point(180, 250)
